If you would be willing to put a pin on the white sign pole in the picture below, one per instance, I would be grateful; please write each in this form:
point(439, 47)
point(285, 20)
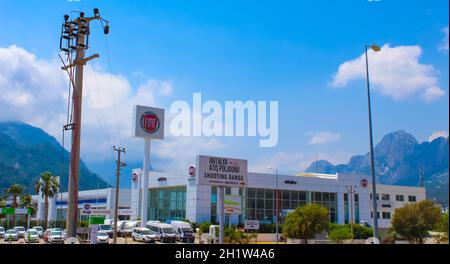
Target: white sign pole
point(145, 174)
point(220, 200)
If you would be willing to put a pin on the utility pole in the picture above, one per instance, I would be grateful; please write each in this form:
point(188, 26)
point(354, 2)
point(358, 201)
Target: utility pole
point(351, 190)
point(75, 40)
point(119, 164)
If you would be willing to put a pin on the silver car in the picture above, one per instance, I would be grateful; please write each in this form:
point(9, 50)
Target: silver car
point(2, 232)
point(40, 230)
point(102, 237)
point(32, 236)
point(11, 235)
point(20, 231)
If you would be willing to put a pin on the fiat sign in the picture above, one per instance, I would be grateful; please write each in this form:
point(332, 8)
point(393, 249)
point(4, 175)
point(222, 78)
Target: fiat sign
point(148, 122)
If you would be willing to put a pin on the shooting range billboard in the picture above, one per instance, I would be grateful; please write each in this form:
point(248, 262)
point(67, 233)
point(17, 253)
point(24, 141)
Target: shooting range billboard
point(148, 122)
point(224, 172)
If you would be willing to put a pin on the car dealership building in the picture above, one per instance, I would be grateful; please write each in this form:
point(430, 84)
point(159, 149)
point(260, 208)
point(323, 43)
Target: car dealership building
point(175, 196)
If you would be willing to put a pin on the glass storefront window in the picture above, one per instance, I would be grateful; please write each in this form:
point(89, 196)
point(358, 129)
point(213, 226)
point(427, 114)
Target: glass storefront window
point(167, 203)
point(262, 204)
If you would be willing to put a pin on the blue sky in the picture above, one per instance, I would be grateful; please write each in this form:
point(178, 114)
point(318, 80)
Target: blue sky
point(260, 50)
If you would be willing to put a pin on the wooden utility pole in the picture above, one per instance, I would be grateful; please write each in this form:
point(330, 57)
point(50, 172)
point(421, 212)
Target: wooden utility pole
point(119, 164)
point(75, 40)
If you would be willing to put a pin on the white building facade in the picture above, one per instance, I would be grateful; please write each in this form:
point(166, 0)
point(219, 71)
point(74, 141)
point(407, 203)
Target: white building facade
point(97, 199)
point(175, 196)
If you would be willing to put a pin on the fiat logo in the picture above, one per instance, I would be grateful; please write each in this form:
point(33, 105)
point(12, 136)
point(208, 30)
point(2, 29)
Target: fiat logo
point(192, 171)
point(150, 122)
point(364, 183)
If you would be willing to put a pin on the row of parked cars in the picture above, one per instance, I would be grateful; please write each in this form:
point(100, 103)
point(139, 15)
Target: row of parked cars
point(153, 231)
point(33, 235)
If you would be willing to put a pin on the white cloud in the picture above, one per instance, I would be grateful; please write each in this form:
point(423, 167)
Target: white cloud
point(317, 138)
point(444, 44)
point(35, 91)
point(438, 134)
point(395, 72)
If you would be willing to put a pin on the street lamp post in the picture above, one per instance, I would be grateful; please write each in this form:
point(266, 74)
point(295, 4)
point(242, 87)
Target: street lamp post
point(372, 161)
point(276, 203)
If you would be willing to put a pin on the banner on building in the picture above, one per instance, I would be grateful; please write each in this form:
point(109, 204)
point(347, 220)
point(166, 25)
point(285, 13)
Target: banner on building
point(224, 172)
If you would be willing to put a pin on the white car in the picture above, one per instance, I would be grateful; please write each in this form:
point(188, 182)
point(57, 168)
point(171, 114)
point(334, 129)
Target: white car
point(40, 230)
point(55, 237)
point(20, 231)
point(143, 234)
point(102, 237)
point(32, 236)
point(11, 235)
point(2, 232)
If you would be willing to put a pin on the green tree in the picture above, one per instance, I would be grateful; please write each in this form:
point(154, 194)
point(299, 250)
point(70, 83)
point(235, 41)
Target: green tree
point(306, 222)
point(48, 187)
point(413, 221)
point(2, 203)
point(443, 227)
point(14, 191)
point(26, 201)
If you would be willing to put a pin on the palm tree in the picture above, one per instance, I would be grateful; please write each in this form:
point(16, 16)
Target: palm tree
point(26, 201)
point(48, 187)
point(14, 191)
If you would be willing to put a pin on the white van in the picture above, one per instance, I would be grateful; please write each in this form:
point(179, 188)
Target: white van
point(184, 231)
point(164, 232)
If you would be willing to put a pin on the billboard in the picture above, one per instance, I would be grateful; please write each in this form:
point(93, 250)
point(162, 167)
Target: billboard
point(232, 204)
point(148, 122)
point(224, 172)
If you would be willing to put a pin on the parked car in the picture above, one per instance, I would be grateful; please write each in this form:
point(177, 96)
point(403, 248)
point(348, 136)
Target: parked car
point(102, 237)
point(11, 235)
point(40, 230)
point(143, 234)
point(107, 229)
point(31, 236)
point(185, 233)
point(2, 232)
point(55, 237)
point(20, 231)
point(48, 231)
point(128, 227)
point(164, 232)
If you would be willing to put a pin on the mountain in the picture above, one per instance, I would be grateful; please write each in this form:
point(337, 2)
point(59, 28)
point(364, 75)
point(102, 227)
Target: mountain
point(27, 151)
point(399, 159)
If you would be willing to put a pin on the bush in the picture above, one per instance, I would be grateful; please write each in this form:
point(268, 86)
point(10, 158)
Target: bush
point(340, 233)
point(204, 227)
point(233, 236)
point(362, 232)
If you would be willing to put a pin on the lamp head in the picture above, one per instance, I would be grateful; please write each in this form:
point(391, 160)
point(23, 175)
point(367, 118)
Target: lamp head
point(375, 48)
point(106, 29)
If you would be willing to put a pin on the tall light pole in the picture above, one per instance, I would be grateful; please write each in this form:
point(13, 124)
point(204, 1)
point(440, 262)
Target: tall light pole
point(276, 202)
point(372, 160)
